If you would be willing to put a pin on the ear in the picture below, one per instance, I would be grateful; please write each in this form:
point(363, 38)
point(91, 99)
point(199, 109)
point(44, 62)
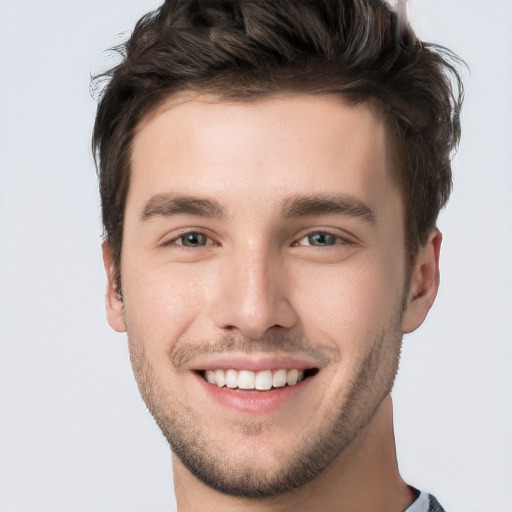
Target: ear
point(113, 301)
point(424, 283)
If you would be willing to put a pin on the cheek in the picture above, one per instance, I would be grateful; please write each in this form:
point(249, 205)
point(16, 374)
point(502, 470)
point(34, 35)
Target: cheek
point(351, 304)
point(160, 304)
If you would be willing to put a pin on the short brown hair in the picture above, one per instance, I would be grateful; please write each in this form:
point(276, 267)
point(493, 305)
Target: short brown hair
point(250, 49)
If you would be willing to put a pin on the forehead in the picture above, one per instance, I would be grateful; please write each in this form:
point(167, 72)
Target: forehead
point(253, 150)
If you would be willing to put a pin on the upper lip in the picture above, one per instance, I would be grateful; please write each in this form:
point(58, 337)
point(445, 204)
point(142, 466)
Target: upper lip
point(254, 364)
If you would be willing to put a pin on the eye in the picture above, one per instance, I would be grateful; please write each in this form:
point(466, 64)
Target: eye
point(191, 240)
point(321, 239)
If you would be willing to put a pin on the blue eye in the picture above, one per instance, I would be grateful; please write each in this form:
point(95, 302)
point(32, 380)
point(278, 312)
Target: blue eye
point(193, 240)
point(321, 239)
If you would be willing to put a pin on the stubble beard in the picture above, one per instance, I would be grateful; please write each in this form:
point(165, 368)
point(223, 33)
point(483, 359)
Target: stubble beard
point(314, 451)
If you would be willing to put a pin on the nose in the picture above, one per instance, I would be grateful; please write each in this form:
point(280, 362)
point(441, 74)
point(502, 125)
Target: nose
point(251, 293)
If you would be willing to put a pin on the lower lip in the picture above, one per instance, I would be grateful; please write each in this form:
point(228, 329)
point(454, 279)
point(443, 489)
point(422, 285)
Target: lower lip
point(253, 401)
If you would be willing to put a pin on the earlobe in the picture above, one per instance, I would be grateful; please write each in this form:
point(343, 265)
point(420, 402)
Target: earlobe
point(113, 301)
point(424, 283)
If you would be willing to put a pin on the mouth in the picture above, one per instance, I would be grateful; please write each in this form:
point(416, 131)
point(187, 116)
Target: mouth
point(242, 384)
point(262, 380)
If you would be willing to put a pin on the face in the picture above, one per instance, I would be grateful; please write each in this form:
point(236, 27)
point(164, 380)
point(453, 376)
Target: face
point(263, 277)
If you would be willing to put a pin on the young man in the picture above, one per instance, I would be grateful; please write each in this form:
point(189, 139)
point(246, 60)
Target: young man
point(271, 175)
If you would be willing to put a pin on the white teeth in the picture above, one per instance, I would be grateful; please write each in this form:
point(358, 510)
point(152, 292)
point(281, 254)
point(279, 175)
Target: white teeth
point(231, 379)
point(220, 378)
point(291, 377)
point(263, 380)
point(246, 379)
point(279, 379)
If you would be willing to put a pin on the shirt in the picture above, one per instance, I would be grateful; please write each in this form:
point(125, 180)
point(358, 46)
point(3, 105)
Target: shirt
point(425, 503)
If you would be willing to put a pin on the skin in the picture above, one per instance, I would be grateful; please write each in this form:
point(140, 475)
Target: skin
point(255, 282)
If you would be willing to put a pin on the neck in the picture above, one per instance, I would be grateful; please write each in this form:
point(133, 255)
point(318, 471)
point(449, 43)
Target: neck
point(363, 478)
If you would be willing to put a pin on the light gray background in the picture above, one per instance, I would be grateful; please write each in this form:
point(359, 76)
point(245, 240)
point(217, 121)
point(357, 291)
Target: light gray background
point(74, 435)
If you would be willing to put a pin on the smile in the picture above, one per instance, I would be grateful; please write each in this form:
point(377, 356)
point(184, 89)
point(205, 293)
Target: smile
point(263, 380)
point(257, 385)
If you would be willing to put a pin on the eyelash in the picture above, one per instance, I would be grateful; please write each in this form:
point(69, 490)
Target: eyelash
point(184, 234)
point(338, 240)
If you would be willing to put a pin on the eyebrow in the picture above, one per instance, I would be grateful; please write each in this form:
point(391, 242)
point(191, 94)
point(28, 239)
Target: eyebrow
point(168, 205)
point(172, 204)
point(306, 206)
